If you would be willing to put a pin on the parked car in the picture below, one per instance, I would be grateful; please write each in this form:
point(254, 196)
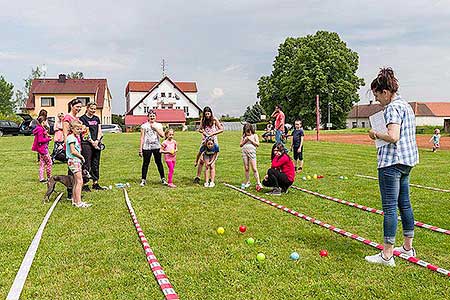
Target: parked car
point(28, 124)
point(8, 127)
point(112, 128)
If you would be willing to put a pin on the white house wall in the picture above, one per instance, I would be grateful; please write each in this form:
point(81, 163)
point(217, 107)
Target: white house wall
point(361, 122)
point(430, 121)
point(165, 87)
point(193, 97)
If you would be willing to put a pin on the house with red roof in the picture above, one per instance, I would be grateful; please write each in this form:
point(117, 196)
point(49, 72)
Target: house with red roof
point(427, 114)
point(172, 101)
point(53, 95)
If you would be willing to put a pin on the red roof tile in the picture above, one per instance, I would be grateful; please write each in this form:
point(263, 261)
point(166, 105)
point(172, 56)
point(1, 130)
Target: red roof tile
point(162, 116)
point(145, 86)
point(421, 109)
point(70, 86)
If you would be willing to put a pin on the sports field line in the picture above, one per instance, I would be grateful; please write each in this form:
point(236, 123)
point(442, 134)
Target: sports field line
point(158, 272)
point(371, 210)
point(22, 274)
point(353, 236)
point(411, 184)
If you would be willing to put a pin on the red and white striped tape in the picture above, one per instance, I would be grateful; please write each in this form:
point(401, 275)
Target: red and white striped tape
point(411, 184)
point(371, 210)
point(158, 272)
point(353, 236)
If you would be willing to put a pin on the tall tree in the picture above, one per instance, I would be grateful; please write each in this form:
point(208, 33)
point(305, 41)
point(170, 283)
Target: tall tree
point(319, 64)
point(6, 93)
point(76, 75)
point(21, 96)
point(253, 114)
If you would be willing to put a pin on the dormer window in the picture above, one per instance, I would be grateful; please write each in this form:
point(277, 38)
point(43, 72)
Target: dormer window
point(170, 95)
point(163, 94)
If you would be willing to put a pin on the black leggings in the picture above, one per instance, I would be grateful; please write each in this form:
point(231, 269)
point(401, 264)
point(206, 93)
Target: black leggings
point(92, 161)
point(277, 179)
point(147, 154)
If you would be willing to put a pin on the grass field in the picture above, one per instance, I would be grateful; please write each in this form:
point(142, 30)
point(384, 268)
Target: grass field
point(95, 253)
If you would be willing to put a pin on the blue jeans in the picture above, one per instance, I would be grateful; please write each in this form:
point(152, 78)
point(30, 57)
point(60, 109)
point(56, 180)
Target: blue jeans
point(278, 134)
point(394, 189)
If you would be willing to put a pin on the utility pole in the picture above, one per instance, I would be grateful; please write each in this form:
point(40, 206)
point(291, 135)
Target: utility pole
point(329, 127)
point(317, 117)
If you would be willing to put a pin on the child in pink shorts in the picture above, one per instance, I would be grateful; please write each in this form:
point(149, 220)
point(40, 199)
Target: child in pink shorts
point(169, 148)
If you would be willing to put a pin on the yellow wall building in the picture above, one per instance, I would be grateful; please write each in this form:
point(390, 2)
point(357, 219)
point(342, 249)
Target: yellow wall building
point(54, 95)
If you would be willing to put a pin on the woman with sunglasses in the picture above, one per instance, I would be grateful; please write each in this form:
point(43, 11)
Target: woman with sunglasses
point(281, 174)
point(151, 131)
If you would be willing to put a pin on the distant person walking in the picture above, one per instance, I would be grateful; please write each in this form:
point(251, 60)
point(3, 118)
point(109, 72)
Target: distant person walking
point(395, 161)
point(279, 123)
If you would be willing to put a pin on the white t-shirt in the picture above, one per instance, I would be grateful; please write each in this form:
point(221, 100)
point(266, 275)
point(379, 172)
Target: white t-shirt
point(151, 137)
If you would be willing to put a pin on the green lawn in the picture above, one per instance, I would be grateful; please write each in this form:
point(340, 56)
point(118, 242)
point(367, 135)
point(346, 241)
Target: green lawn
point(95, 253)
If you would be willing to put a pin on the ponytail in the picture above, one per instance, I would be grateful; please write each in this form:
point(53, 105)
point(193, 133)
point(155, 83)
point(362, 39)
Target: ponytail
point(385, 81)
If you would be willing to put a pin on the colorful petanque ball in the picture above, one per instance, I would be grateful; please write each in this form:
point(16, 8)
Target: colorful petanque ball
point(260, 257)
point(250, 241)
point(323, 253)
point(308, 177)
point(304, 178)
point(294, 256)
point(345, 177)
point(315, 176)
point(258, 188)
point(110, 187)
point(242, 228)
point(220, 230)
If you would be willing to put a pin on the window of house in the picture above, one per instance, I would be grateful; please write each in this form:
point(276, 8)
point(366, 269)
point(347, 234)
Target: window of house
point(47, 101)
point(354, 124)
point(177, 107)
point(155, 107)
point(163, 94)
point(146, 109)
point(170, 95)
point(186, 110)
point(84, 100)
point(363, 124)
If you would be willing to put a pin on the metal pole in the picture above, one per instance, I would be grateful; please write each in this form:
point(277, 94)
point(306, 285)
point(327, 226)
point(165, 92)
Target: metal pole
point(317, 117)
point(329, 115)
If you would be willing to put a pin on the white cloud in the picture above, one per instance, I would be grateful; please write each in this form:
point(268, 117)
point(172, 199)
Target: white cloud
point(217, 93)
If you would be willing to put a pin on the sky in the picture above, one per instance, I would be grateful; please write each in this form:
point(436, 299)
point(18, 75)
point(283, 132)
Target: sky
point(224, 46)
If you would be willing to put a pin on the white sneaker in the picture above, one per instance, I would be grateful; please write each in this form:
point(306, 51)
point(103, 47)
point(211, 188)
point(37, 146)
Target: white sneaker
point(410, 252)
point(206, 184)
point(379, 259)
point(143, 182)
point(212, 184)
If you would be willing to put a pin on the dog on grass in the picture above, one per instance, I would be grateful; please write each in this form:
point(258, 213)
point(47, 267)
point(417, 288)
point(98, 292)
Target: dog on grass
point(67, 180)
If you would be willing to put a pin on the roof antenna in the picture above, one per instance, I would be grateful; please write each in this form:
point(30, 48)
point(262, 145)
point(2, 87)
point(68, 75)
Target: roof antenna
point(164, 66)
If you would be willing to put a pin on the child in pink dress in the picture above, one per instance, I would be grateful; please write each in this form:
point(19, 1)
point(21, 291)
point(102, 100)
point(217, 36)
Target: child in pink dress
point(40, 145)
point(169, 149)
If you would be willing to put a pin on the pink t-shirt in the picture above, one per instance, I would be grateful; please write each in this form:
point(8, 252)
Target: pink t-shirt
point(169, 146)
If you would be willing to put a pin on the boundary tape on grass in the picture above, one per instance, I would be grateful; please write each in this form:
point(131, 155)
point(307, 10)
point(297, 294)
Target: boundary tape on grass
point(411, 184)
point(353, 236)
point(158, 272)
point(22, 274)
point(371, 210)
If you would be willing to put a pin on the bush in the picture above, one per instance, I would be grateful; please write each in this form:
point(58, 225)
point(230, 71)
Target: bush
point(14, 118)
point(261, 125)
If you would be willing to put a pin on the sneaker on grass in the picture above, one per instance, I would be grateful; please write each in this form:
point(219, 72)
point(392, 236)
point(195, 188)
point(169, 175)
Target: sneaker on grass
point(410, 252)
point(163, 181)
point(197, 180)
point(275, 192)
point(143, 182)
point(379, 259)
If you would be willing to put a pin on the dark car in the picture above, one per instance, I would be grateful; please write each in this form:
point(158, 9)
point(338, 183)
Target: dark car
point(8, 127)
point(28, 124)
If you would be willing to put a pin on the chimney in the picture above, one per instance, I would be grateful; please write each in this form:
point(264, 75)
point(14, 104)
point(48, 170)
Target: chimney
point(62, 78)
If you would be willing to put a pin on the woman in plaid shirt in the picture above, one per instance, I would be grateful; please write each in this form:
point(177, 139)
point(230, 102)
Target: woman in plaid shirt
point(395, 161)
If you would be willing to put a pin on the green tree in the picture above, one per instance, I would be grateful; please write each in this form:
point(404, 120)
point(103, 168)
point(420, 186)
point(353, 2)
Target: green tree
point(6, 93)
point(253, 114)
point(319, 64)
point(76, 75)
point(21, 96)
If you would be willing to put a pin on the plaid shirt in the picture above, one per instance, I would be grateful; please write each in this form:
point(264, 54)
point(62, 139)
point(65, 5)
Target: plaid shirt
point(404, 151)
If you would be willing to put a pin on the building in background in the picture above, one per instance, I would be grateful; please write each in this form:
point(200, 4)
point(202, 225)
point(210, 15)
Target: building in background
point(173, 101)
point(427, 114)
point(53, 95)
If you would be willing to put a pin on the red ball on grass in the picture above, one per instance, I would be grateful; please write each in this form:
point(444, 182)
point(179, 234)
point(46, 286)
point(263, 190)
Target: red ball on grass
point(323, 253)
point(242, 228)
